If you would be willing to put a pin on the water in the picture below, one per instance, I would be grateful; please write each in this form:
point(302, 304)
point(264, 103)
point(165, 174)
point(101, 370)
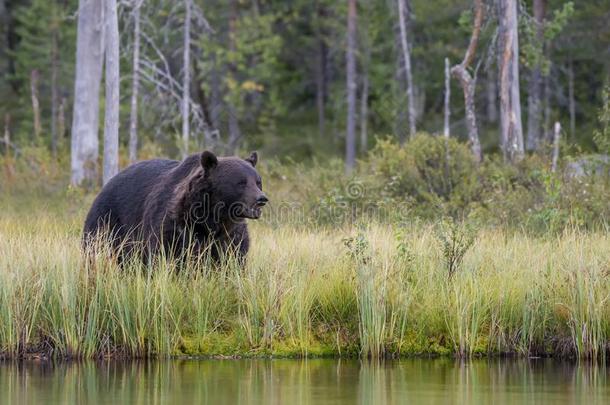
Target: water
point(318, 382)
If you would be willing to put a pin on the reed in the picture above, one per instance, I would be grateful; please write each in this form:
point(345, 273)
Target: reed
point(374, 291)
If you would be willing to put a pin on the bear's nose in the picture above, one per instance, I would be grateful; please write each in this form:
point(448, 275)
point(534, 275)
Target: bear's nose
point(262, 200)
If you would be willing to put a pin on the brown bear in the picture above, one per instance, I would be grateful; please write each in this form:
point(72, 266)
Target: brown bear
point(200, 203)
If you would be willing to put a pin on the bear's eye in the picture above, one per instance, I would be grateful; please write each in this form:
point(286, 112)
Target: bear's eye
point(259, 183)
point(242, 183)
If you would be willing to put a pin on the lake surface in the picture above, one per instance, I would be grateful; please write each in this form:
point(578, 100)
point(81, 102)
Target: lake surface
point(416, 381)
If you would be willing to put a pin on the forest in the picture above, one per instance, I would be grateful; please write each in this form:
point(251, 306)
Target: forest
point(438, 175)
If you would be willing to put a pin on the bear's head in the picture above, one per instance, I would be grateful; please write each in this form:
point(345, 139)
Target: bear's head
point(220, 190)
point(235, 187)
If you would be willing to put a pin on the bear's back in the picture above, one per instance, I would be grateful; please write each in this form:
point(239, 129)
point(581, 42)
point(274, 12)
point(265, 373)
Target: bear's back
point(119, 206)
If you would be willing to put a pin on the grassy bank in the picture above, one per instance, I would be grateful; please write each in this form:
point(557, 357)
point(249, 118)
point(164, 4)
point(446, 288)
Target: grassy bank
point(375, 290)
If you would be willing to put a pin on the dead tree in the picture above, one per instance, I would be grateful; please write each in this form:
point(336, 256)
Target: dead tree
point(534, 98)
point(135, 84)
point(186, 82)
point(350, 137)
point(112, 78)
point(85, 118)
point(447, 99)
point(468, 82)
point(406, 52)
point(34, 76)
point(556, 135)
point(511, 129)
point(54, 87)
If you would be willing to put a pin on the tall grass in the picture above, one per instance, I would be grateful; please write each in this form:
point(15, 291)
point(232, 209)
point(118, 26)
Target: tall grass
point(304, 292)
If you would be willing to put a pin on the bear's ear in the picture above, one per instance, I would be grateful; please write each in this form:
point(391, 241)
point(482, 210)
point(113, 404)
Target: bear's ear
point(208, 160)
point(252, 159)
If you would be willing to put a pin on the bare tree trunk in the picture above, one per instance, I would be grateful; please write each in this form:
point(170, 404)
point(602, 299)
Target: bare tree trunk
point(321, 73)
point(547, 110)
point(112, 77)
point(234, 130)
point(510, 108)
point(406, 51)
point(135, 85)
point(571, 101)
point(350, 137)
point(186, 82)
point(210, 133)
point(85, 118)
point(34, 76)
point(364, 112)
point(54, 89)
point(468, 83)
point(556, 135)
point(447, 99)
point(7, 135)
point(534, 99)
point(61, 121)
point(492, 96)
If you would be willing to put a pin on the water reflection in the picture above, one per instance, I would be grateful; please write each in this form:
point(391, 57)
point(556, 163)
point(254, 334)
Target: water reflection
point(417, 381)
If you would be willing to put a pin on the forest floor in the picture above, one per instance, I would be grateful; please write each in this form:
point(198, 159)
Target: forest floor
point(375, 290)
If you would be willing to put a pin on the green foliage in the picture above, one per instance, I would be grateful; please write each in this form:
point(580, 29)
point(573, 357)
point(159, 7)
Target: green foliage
point(533, 46)
point(455, 240)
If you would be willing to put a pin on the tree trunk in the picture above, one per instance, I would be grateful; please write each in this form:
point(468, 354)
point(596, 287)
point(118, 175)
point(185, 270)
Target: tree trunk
point(321, 73)
point(508, 63)
point(546, 127)
point(350, 137)
point(364, 112)
point(135, 85)
point(491, 89)
point(403, 11)
point(34, 76)
point(556, 135)
point(571, 101)
point(61, 121)
point(447, 99)
point(85, 118)
point(468, 83)
point(7, 135)
point(112, 77)
point(54, 88)
point(234, 130)
point(211, 135)
point(534, 99)
point(186, 82)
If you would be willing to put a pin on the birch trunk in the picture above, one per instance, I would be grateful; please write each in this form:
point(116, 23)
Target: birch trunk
point(406, 51)
point(54, 90)
point(186, 82)
point(510, 108)
point(534, 99)
point(34, 75)
point(112, 77)
point(234, 130)
point(556, 135)
point(135, 85)
point(350, 137)
point(447, 99)
point(85, 118)
point(468, 83)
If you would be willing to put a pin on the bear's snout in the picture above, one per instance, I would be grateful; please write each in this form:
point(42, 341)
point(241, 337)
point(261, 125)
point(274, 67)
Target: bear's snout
point(261, 200)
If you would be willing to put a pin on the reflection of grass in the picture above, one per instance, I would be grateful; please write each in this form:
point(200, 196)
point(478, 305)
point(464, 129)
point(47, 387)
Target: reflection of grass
point(304, 293)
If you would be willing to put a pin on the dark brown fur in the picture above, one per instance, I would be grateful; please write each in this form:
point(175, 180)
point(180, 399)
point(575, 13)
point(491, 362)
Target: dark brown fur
point(199, 203)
